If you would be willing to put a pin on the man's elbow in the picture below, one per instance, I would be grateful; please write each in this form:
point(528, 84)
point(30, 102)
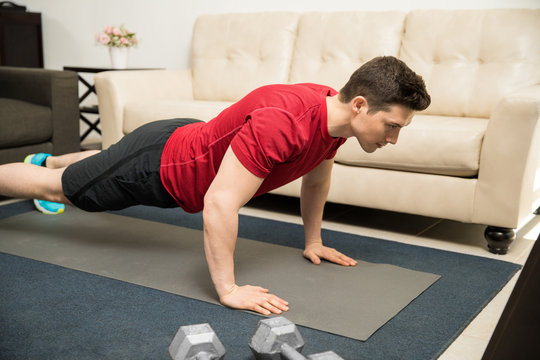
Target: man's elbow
point(315, 186)
point(216, 203)
point(211, 201)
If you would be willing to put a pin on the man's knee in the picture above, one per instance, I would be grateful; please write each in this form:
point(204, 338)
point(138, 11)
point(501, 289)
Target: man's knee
point(54, 191)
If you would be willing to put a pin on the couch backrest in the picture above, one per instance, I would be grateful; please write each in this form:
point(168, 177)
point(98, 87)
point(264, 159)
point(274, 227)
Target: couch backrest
point(331, 46)
point(233, 54)
point(471, 58)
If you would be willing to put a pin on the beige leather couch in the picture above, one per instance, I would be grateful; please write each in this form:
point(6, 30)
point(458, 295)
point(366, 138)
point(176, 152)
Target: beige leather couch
point(472, 156)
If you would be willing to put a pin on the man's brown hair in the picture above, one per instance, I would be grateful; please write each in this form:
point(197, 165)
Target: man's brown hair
point(386, 81)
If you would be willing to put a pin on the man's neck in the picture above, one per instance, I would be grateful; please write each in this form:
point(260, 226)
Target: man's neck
point(338, 117)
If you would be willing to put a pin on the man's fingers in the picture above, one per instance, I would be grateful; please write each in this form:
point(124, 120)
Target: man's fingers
point(264, 302)
point(271, 308)
point(313, 258)
point(344, 260)
point(267, 308)
point(260, 310)
point(279, 303)
point(331, 255)
point(272, 304)
point(347, 260)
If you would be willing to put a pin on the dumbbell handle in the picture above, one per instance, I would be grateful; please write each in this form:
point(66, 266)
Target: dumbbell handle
point(290, 353)
point(203, 356)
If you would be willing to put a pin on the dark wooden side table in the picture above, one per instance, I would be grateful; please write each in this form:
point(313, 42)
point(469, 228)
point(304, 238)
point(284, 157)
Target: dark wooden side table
point(91, 89)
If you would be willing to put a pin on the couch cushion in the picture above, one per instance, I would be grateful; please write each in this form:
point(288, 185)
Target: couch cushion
point(470, 59)
point(140, 113)
point(233, 54)
point(23, 123)
point(430, 144)
point(330, 46)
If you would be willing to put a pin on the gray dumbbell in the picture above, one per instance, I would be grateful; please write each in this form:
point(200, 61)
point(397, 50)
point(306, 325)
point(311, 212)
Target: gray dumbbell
point(278, 338)
point(196, 342)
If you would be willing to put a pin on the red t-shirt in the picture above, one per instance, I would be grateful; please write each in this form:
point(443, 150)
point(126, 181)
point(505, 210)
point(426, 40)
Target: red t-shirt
point(278, 132)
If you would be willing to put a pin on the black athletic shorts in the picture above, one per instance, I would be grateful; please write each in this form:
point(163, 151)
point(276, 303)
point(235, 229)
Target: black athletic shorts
point(125, 174)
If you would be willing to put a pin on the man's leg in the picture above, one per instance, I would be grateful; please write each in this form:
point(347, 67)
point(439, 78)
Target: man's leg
point(62, 161)
point(27, 181)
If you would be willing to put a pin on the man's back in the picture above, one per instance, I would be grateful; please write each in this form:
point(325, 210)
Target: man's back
point(278, 132)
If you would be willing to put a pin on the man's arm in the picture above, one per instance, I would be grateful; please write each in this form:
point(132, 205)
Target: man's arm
point(315, 186)
point(231, 189)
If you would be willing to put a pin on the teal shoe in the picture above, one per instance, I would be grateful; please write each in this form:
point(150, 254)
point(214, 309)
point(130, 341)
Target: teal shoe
point(49, 207)
point(36, 159)
point(46, 207)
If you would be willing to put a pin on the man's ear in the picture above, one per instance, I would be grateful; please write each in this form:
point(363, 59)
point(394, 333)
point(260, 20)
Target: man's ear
point(358, 103)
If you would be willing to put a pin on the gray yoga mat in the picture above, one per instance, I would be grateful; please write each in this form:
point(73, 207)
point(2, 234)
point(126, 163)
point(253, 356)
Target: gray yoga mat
point(352, 302)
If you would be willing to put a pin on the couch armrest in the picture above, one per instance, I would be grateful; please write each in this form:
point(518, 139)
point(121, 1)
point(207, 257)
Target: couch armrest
point(55, 89)
point(508, 188)
point(117, 88)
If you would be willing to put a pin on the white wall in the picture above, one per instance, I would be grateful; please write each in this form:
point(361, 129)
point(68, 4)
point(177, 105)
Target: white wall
point(164, 26)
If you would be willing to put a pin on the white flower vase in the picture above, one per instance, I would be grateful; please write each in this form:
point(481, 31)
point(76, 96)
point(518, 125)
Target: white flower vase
point(119, 57)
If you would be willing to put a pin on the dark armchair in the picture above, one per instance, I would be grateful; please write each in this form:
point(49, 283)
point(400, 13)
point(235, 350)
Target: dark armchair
point(39, 112)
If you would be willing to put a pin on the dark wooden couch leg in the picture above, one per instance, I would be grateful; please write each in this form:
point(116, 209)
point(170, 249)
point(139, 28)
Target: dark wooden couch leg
point(499, 239)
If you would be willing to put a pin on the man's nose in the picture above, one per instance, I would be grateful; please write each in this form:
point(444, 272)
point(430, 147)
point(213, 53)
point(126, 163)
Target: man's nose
point(392, 138)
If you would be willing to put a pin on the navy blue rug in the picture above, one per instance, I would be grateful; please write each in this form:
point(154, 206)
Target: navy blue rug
point(47, 311)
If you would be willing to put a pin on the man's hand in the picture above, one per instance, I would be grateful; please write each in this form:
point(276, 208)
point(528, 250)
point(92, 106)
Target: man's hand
point(313, 195)
point(317, 251)
point(254, 298)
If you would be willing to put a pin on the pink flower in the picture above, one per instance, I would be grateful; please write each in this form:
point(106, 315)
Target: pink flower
point(114, 36)
point(103, 38)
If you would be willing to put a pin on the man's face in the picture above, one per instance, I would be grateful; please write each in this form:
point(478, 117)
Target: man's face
point(375, 130)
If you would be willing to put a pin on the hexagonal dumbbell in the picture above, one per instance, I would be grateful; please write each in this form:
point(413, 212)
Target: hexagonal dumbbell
point(196, 342)
point(278, 338)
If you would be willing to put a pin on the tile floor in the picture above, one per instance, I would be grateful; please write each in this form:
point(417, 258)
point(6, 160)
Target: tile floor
point(421, 231)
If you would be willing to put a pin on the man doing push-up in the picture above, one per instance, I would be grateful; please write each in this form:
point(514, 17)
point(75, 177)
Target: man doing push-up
point(272, 136)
